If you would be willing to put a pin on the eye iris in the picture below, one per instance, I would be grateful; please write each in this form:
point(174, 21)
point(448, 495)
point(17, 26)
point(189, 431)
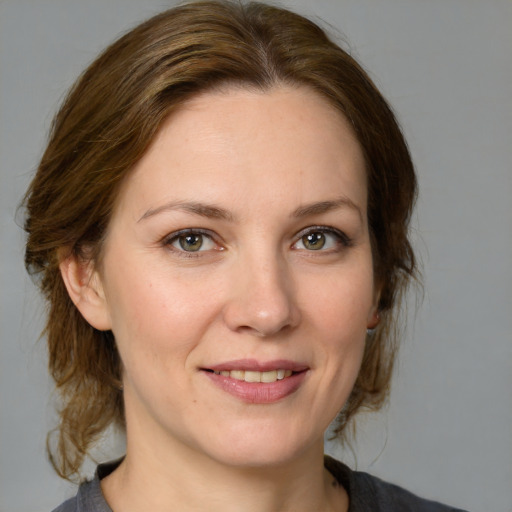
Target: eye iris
point(191, 243)
point(314, 241)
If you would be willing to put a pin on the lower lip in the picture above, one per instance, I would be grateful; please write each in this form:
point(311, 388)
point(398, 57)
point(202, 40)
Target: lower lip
point(258, 392)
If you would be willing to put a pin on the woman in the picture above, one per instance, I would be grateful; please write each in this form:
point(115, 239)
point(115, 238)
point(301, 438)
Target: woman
point(220, 225)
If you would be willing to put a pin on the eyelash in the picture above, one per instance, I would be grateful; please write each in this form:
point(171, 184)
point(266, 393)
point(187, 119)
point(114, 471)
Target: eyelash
point(341, 239)
point(174, 237)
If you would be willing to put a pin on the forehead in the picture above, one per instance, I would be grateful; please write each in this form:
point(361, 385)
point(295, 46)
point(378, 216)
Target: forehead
point(240, 142)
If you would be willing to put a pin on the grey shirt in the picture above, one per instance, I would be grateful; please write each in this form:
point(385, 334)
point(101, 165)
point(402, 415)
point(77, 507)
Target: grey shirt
point(366, 493)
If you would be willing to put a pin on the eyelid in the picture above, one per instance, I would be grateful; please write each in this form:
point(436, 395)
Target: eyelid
point(344, 239)
point(169, 239)
point(187, 231)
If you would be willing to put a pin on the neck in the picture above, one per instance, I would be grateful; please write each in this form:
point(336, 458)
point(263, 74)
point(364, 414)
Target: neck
point(182, 479)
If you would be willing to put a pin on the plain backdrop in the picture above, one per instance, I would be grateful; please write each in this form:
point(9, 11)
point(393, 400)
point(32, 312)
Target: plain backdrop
point(446, 67)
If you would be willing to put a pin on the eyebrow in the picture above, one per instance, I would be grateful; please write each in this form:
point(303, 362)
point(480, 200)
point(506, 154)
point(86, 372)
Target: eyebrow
point(326, 206)
point(202, 209)
point(216, 212)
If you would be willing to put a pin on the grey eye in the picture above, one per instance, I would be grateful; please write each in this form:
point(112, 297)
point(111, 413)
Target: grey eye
point(314, 241)
point(192, 242)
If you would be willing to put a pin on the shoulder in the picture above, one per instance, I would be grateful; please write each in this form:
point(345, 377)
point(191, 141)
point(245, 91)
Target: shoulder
point(394, 498)
point(369, 493)
point(70, 505)
point(89, 497)
point(67, 506)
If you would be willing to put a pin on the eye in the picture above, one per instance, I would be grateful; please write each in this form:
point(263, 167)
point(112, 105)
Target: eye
point(314, 241)
point(320, 238)
point(191, 241)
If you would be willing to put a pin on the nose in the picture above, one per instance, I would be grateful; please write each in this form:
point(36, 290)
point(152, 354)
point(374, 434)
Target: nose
point(262, 300)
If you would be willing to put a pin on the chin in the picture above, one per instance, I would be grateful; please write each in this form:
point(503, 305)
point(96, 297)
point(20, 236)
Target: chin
point(261, 447)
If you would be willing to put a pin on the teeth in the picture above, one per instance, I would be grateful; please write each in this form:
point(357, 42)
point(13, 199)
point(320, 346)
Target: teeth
point(252, 376)
point(269, 376)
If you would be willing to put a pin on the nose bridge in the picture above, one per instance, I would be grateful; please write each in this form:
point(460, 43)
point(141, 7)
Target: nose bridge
point(263, 298)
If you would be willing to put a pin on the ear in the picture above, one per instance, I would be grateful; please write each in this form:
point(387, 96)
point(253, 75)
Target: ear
point(373, 315)
point(373, 319)
point(85, 289)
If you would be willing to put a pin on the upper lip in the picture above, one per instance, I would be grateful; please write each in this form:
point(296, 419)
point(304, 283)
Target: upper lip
point(258, 366)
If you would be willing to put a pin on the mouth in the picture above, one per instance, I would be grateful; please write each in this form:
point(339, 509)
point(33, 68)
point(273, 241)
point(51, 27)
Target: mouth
point(255, 376)
point(258, 382)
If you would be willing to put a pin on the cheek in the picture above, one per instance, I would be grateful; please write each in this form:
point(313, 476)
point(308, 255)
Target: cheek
point(339, 315)
point(342, 303)
point(155, 313)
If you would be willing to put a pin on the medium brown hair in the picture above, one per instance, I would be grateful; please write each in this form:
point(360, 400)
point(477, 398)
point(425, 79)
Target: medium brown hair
point(106, 124)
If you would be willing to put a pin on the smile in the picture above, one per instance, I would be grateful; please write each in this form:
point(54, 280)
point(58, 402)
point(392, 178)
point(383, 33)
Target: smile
point(258, 382)
point(255, 376)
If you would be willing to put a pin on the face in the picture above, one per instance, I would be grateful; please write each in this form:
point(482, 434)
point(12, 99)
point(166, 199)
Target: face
point(237, 277)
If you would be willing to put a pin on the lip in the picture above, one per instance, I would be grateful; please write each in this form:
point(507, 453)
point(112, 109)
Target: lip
point(257, 392)
point(258, 366)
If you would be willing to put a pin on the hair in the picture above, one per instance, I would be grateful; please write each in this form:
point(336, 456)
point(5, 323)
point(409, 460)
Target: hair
point(106, 124)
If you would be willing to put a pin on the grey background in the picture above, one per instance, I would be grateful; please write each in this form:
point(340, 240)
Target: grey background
point(446, 66)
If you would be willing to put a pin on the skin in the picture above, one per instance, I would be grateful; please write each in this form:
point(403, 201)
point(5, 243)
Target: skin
point(255, 289)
